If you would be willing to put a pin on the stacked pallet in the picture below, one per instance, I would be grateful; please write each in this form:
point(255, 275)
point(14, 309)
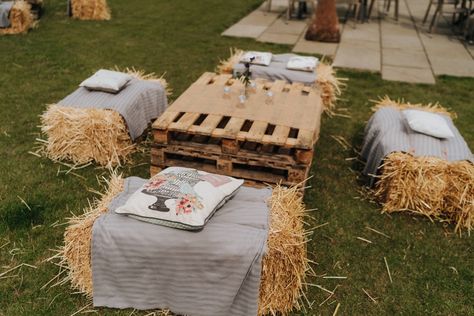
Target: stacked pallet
point(260, 140)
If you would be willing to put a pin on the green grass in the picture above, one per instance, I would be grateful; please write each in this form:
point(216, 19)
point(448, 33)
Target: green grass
point(432, 268)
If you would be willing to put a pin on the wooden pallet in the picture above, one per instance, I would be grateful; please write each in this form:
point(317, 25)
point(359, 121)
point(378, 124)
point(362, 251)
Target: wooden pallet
point(228, 143)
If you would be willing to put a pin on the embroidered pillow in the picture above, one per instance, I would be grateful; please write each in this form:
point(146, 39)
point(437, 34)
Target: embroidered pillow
point(431, 124)
point(106, 81)
point(181, 198)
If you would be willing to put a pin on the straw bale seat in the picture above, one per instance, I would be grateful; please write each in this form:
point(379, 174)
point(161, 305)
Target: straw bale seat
point(285, 265)
point(83, 133)
point(326, 81)
point(21, 19)
point(416, 173)
point(89, 9)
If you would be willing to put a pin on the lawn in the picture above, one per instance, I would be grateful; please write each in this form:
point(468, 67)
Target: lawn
point(432, 268)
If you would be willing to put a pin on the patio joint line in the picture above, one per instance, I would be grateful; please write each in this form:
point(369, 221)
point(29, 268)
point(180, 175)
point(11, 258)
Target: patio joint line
point(419, 38)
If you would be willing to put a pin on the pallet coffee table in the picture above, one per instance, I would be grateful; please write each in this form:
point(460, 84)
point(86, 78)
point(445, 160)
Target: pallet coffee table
point(268, 138)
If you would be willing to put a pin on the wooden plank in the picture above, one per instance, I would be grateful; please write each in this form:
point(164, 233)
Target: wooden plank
point(205, 78)
point(207, 126)
point(160, 136)
point(222, 79)
point(278, 137)
point(305, 139)
point(184, 123)
point(304, 156)
point(231, 129)
point(203, 150)
point(256, 132)
point(165, 120)
point(278, 86)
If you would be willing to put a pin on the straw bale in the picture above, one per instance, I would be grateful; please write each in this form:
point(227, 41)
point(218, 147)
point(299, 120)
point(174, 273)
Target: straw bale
point(142, 75)
point(326, 81)
point(21, 18)
point(429, 186)
point(75, 256)
point(402, 105)
point(284, 267)
point(286, 264)
point(90, 9)
point(83, 135)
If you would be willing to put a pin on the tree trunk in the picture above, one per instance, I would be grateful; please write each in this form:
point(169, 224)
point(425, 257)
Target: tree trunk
point(324, 26)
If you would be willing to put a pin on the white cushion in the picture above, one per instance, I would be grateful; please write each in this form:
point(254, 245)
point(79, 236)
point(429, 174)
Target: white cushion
point(428, 123)
point(107, 81)
point(302, 63)
point(181, 198)
point(260, 58)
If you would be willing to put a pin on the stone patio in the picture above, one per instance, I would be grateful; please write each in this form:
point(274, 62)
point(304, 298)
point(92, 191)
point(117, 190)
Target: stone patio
point(400, 50)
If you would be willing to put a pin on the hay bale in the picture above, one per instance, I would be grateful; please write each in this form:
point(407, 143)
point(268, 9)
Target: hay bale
point(21, 19)
point(329, 85)
point(83, 135)
point(142, 75)
point(326, 81)
point(429, 186)
point(402, 105)
point(75, 256)
point(284, 267)
point(90, 9)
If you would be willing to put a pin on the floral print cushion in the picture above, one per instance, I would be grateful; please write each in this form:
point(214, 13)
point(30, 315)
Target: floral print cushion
point(181, 198)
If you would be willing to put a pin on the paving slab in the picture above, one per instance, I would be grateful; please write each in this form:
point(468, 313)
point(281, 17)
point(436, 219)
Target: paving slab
point(284, 26)
point(259, 17)
point(312, 47)
point(448, 56)
point(242, 30)
point(364, 55)
point(452, 67)
point(404, 58)
point(363, 32)
point(398, 41)
point(278, 38)
point(407, 74)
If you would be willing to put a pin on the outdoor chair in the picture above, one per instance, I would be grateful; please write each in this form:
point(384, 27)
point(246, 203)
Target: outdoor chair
point(387, 4)
point(440, 10)
point(291, 6)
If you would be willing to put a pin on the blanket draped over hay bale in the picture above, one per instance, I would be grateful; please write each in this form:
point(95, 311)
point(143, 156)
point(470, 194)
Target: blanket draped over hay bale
point(326, 80)
point(284, 268)
point(21, 19)
point(90, 9)
point(435, 187)
point(83, 135)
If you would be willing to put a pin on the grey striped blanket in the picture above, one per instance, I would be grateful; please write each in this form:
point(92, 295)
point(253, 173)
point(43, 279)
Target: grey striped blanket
point(138, 103)
point(213, 272)
point(5, 7)
point(387, 131)
point(277, 71)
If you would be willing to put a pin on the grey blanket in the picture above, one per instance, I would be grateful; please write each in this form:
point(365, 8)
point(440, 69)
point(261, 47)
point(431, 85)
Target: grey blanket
point(387, 131)
point(138, 103)
point(5, 8)
point(277, 71)
point(213, 272)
